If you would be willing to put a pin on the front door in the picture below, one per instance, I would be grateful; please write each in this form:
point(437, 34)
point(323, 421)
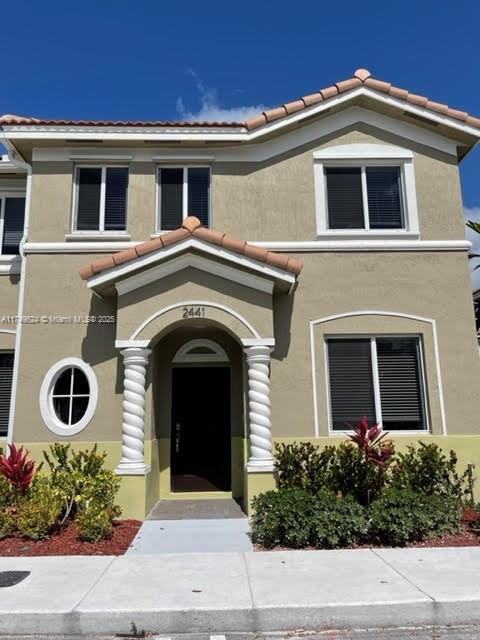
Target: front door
point(201, 438)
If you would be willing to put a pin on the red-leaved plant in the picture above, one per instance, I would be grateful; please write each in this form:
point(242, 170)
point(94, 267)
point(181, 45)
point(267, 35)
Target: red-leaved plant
point(371, 440)
point(17, 468)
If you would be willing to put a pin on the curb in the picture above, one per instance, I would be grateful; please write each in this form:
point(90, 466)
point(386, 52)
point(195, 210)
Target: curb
point(424, 612)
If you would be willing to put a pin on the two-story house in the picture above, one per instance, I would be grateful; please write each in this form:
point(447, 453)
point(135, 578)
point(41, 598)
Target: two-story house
point(188, 294)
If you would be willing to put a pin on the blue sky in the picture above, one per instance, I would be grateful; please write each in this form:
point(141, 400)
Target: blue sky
point(154, 59)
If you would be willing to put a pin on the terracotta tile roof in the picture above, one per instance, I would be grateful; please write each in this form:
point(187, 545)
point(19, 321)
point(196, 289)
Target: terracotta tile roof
point(12, 119)
point(361, 77)
point(192, 227)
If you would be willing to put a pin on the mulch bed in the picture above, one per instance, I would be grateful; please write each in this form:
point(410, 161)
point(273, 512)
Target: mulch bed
point(67, 543)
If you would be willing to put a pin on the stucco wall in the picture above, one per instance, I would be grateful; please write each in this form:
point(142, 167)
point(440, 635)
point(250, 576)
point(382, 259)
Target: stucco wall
point(271, 200)
point(402, 283)
point(332, 283)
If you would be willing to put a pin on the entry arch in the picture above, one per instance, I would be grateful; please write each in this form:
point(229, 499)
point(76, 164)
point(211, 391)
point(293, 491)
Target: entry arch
point(163, 319)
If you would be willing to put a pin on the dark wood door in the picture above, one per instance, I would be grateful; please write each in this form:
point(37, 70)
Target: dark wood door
point(201, 435)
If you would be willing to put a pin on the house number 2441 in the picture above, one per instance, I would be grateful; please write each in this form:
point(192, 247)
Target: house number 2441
point(193, 312)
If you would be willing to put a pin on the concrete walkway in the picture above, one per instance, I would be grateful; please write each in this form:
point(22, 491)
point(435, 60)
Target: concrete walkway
point(192, 536)
point(235, 592)
point(193, 526)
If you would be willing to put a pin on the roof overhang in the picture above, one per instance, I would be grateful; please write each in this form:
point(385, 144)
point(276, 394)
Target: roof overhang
point(196, 254)
point(450, 126)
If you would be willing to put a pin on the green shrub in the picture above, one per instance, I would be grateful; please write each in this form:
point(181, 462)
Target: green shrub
point(296, 518)
point(6, 494)
point(302, 465)
point(39, 511)
point(80, 481)
point(337, 522)
point(426, 468)
point(400, 516)
point(94, 524)
point(344, 469)
point(282, 518)
point(7, 523)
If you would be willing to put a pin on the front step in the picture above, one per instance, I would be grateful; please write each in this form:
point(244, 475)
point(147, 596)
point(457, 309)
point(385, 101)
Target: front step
point(217, 509)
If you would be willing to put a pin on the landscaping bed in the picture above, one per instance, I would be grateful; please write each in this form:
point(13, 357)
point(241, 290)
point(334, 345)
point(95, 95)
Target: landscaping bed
point(362, 493)
point(66, 542)
point(68, 508)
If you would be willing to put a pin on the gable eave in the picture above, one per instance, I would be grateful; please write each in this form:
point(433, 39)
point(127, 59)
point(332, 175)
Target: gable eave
point(110, 280)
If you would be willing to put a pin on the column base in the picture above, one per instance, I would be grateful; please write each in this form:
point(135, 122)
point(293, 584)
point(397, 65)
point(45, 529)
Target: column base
point(132, 468)
point(257, 481)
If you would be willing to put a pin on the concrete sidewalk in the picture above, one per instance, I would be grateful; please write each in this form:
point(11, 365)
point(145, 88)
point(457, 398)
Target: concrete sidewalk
point(221, 593)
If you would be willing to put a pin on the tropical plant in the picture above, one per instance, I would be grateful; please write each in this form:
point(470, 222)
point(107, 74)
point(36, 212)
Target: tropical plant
point(371, 440)
point(17, 468)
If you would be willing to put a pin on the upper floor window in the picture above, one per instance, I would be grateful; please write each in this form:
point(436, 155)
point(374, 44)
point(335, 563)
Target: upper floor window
point(365, 188)
point(101, 199)
point(377, 377)
point(364, 198)
point(182, 192)
point(12, 219)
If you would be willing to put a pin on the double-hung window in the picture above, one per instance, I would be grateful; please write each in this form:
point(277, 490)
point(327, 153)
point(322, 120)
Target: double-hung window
point(377, 377)
point(6, 377)
point(101, 199)
point(12, 219)
point(182, 192)
point(365, 189)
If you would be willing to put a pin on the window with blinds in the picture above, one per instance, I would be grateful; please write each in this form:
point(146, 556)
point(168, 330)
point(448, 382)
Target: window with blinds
point(380, 378)
point(12, 219)
point(351, 389)
point(183, 191)
point(101, 198)
point(345, 203)
point(364, 197)
point(6, 377)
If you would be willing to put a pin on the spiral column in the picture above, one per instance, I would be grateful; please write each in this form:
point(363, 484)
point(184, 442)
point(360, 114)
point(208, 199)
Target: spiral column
point(258, 362)
point(135, 360)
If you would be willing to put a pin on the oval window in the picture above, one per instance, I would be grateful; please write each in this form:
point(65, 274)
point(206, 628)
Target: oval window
point(68, 396)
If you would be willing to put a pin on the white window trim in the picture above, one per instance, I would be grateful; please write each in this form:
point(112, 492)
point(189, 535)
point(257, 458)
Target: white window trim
point(4, 196)
point(366, 155)
point(46, 401)
point(183, 355)
point(185, 167)
point(376, 381)
point(101, 223)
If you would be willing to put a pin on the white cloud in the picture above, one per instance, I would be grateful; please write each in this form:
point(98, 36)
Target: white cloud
point(473, 213)
point(210, 108)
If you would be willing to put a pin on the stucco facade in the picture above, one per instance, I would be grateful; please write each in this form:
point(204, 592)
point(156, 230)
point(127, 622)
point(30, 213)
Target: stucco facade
point(263, 318)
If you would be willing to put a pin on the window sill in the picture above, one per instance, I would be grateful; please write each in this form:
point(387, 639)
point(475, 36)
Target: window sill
point(10, 264)
point(102, 236)
point(368, 235)
point(391, 433)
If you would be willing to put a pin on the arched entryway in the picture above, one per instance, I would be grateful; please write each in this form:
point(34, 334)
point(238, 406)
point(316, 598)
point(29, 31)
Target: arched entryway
point(198, 410)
